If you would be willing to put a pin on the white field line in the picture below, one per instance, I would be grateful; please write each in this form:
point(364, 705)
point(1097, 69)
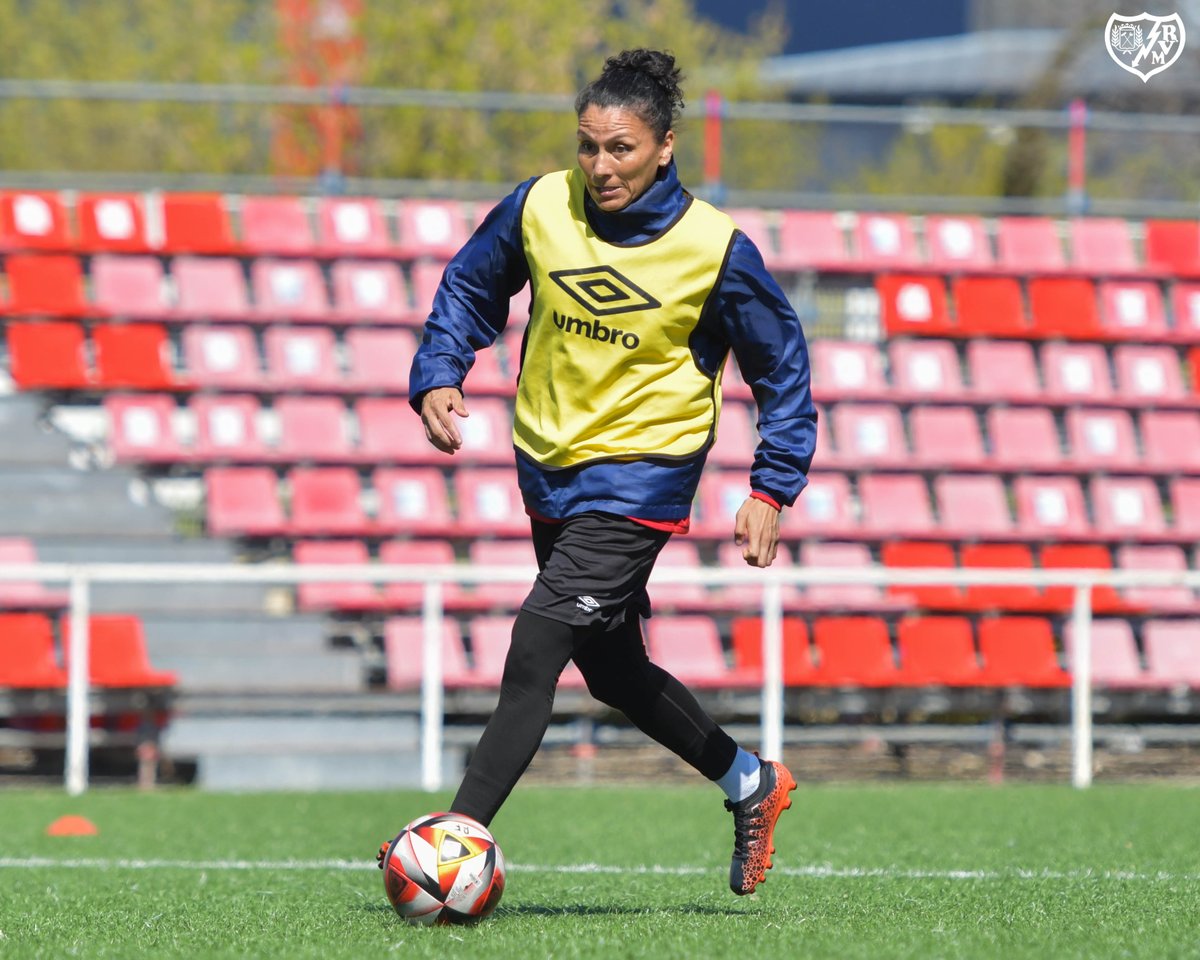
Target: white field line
point(814, 871)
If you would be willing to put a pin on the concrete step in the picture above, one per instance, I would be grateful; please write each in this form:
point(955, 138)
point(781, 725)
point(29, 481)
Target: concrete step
point(334, 671)
point(225, 636)
point(28, 440)
point(398, 770)
point(56, 503)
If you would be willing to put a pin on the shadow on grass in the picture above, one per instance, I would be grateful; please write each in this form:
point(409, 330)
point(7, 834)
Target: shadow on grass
point(583, 910)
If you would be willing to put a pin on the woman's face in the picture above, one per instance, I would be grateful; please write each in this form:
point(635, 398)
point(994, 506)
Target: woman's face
point(619, 155)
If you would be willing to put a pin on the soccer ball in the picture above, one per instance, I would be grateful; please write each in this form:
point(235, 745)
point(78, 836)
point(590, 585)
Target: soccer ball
point(443, 868)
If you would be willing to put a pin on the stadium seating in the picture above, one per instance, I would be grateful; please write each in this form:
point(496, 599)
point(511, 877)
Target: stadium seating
point(970, 506)
point(895, 505)
point(117, 655)
point(140, 429)
point(197, 223)
point(915, 305)
point(1020, 652)
point(1064, 307)
point(34, 220)
point(276, 225)
point(27, 656)
point(946, 438)
point(811, 240)
point(1133, 310)
point(1172, 653)
point(1101, 439)
point(921, 554)
point(379, 360)
point(352, 227)
point(227, 429)
point(25, 594)
point(1115, 661)
point(1172, 247)
point(45, 285)
point(344, 596)
point(990, 307)
point(413, 502)
point(690, 648)
point(133, 356)
point(369, 292)
point(847, 370)
point(1024, 439)
point(1102, 245)
point(112, 223)
point(1027, 245)
point(131, 288)
point(289, 290)
point(48, 356)
point(853, 652)
point(210, 288)
point(957, 244)
point(883, 241)
point(747, 640)
point(1013, 598)
point(403, 645)
point(408, 595)
point(242, 501)
point(925, 370)
point(1002, 371)
point(937, 651)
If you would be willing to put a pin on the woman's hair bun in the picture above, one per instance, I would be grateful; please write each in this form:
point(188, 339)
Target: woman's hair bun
point(656, 64)
point(643, 80)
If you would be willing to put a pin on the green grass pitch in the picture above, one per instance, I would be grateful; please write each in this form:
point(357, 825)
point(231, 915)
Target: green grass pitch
point(861, 872)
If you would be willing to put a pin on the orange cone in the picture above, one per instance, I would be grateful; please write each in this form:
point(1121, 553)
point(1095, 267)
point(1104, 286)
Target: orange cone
point(72, 826)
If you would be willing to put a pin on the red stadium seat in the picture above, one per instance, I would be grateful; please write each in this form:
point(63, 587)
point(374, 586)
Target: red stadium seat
point(1173, 247)
point(326, 501)
point(227, 429)
point(689, 647)
point(196, 223)
point(811, 240)
point(1009, 597)
point(389, 432)
point(1132, 310)
point(1079, 556)
point(798, 666)
point(27, 657)
point(1024, 438)
point(1171, 440)
point(34, 220)
point(1148, 375)
point(488, 375)
point(895, 505)
point(289, 290)
point(491, 636)
point(301, 358)
point(414, 502)
point(1029, 245)
point(869, 435)
point(276, 225)
point(937, 556)
point(823, 555)
point(502, 553)
point(736, 438)
point(243, 501)
point(1115, 661)
point(47, 356)
point(937, 651)
point(426, 275)
point(926, 370)
point(46, 285)
point(1163, 556)
point(883, 240)
point(313, 429)
point(431, 228)
point(374, 292)
point(112, 222)
point(846, 369)
point(353, 227)
point(486, 433)
point(1185, 507)
point(1101, 439)
point(1076, 372)
point(25, 594)
point(404, 646)
point(914, 305)
point(946, 437)
point(379, 360)
point(1127, 507)
point(1050, 507)
point(823, 509)
point(990, 307)
point(853, 652)
point(720, 496)
point(958, 243)
point(1002, 371)
point(677, 552)
point(135, 356)
point(972, 505)
point(489, 502)
point(1020, 652)
point(749, 596)
point(140, 429)
point(1064, 307)
point(753, 223)
point(210, 288)
point(1102, 245)
point(341, 596)
point(1185, 306)
point(223, 358)
point(130, 287)
point(1172, 653)
point(408, 595)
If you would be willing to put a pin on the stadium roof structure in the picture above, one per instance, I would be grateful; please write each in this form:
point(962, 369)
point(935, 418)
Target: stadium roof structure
point(999, 63)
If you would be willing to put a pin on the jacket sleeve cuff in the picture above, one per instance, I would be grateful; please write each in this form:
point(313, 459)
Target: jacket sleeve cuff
point(765, 498)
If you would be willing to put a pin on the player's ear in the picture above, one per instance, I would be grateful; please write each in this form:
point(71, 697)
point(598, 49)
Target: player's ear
point(667, 149)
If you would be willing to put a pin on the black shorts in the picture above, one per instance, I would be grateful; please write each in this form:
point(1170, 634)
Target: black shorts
point(593, 569)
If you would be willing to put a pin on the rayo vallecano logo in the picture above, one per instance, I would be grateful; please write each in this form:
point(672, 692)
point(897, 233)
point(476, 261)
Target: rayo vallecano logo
point(1145, 44)
point(603, 291)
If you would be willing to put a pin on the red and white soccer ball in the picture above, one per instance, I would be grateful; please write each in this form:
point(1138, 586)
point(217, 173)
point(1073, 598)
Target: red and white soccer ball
point(443, 868)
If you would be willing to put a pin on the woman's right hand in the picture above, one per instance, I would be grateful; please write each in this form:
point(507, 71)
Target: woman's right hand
point(438, 409)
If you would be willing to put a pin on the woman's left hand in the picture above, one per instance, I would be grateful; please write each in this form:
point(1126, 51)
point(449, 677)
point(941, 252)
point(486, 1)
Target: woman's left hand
point(756, 530)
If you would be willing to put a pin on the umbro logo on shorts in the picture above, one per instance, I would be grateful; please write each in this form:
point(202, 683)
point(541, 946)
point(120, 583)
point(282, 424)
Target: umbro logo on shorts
point(603, 291)
point(588, 604)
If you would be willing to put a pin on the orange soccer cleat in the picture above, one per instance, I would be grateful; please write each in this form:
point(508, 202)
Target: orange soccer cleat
point(754, 826)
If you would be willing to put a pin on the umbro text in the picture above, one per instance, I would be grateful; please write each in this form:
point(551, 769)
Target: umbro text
point(595, 330)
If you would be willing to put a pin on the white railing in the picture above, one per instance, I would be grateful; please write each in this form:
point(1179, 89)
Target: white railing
point(81, 577)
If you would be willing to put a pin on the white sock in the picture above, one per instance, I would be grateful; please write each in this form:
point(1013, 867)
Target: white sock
point(741, 779)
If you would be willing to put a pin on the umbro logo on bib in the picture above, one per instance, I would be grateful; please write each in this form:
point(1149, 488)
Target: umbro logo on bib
point(603, 291)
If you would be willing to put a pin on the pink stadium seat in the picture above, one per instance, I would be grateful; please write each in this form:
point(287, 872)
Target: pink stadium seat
point(49, 355)
point(489, 502)
point(1173, 247)
point(370, 292)
point(689, 647)
point(926, 370)
point(677, 552)
point(825, 555)
point(946, 437)
point(486, 433)
point(301, 358)
point(210, 288)
point(135, 356)
point(846, 369)
point(224, 358)
point(1050, 507)
point(1185, 306)
point(431, 228)
point(413, 502)
point(1115, 661)
point(1132, 310)
point(1148, 375)
point(811, 240)
point(914, 305)
point(289, 290)
point(883, 240)
point(276, 225)
point(1002, 370)
point(140, 429)
point(753, 223)
point(990, 307)
point(425, 276)
point(895, 505)
point(749, 596)
point(958, 243)
point(227, 428)
point(519, 306)
point(379, 360)
point(1172, 652)
point(869, 435)
point(243, 501)
point(736, 438)
point(409, 595)
point(488, 375)
point(1102, 245)
point(1020, 652)
point(1009, 597)
point(1079, 556)
point(45, 285)
point(937, 651)
point(353, 227)
point(389, 432)
point(118, 656)
point(972, 505)
point(513, 554)
point(720, 496)
point(197, 223)
point(1171, 440)
point(853, 652)
point(1029, 245)
point(919, 554)
point(1064, 307)
point(341, 596)
point(312, 429)
point(1127, 507)
point(27, 657)
point(34, 220)
point(404, 646)
point(824, 508)
point(25, 594)
point(1163, 556)
point(112, 222)
point(326, 501)
point(798, 666)
point(130, 287)
point(491, 636)
point(1023, 438)
point(1076, 372)
point(1101, 439)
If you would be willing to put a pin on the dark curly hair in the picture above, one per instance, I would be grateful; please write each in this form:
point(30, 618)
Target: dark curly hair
point(644, 81)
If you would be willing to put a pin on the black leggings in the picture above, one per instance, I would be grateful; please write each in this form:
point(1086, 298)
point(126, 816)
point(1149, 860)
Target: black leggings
point(618, 674)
